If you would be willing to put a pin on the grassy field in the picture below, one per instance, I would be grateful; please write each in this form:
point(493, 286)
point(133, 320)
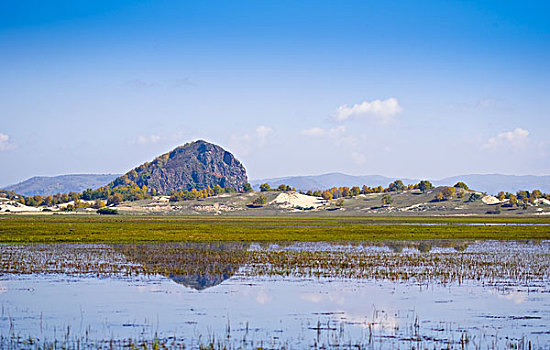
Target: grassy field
point(83, 228)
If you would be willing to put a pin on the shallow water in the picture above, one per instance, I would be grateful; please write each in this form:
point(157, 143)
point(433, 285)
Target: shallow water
point(234, 305)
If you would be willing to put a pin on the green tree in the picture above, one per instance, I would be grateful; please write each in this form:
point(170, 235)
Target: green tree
point(386, 199)
point(326, 195)
point(114, 199)
point(265, 187)
point(396, 186)
point(107, 211)
point(355, 191)
point(425, 185)
point(522, 195)
point(448, 192)
point(462, 185)
point(513, 199)
point(536, 194)
point(345, 191)
point(38, 199)
point(87, 194)
point(247, 187)
point(474, 197)
point(98, 204)
point(260, 200)
point(64, 198)
point(339, 202)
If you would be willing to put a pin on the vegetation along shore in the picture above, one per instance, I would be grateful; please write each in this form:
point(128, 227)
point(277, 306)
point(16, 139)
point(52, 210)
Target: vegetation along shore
point(122, 228)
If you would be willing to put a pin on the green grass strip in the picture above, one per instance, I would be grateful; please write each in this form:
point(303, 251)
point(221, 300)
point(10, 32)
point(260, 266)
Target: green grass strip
point(90, 229)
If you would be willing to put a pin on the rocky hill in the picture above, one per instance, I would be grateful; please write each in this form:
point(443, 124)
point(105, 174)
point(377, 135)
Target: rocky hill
point(50, 185)
point(194, 165)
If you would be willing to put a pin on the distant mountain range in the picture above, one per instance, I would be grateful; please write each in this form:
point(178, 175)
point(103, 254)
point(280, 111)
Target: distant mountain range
point(490, 183)
point(50, 185)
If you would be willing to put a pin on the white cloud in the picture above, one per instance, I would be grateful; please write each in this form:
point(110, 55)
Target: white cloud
point(516, 297)
point(486, 103)
point(337, 134)
point(139, 84)
point(154, 139)
point(383, 112)
point(517, 138)
point(263, 298)
point(312, 297)
point(262, 133)
point(147, 140)
point(481, 104)
point(316, 131)
point(243, 144)
point(5, 143)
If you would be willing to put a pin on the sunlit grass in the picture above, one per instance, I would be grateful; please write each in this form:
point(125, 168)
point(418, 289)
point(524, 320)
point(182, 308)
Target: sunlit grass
point(72, 228)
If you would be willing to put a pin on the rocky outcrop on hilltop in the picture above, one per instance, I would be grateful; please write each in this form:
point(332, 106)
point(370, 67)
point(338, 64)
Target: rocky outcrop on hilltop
point(197, 165)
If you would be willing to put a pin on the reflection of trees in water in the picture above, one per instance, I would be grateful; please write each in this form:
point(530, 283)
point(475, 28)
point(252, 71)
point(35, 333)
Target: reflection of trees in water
point(200, 266)
point(195, 265)
point(424, 246)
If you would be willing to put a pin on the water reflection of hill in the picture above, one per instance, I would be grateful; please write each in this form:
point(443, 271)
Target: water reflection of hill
point(200, 266)
point(194, 265)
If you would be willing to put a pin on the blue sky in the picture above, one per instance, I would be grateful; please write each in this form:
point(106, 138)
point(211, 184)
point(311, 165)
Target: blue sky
point(422, 89)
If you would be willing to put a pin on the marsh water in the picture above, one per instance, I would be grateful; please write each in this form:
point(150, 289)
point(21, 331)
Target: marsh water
point(384, 295)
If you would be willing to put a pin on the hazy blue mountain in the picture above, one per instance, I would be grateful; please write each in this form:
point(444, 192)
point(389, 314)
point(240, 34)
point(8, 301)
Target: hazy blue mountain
point(490, 183)
point(49, 185)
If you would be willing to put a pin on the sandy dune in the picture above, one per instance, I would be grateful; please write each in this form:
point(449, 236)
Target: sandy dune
point(294, 199)
point(7, 205)
point(490, 200)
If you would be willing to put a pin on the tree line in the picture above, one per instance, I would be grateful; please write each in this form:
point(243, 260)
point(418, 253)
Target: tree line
point(459, 190)
point(130, 191)
point(106, 195)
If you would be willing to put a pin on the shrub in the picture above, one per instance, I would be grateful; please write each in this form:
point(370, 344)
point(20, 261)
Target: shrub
point(397, 185)
point(474, 197)
point(448, 192)
point(260, 200)
point(247, 187)
point(387, 200)
point(107, 211)
point(462, 185)
point(425, 185)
